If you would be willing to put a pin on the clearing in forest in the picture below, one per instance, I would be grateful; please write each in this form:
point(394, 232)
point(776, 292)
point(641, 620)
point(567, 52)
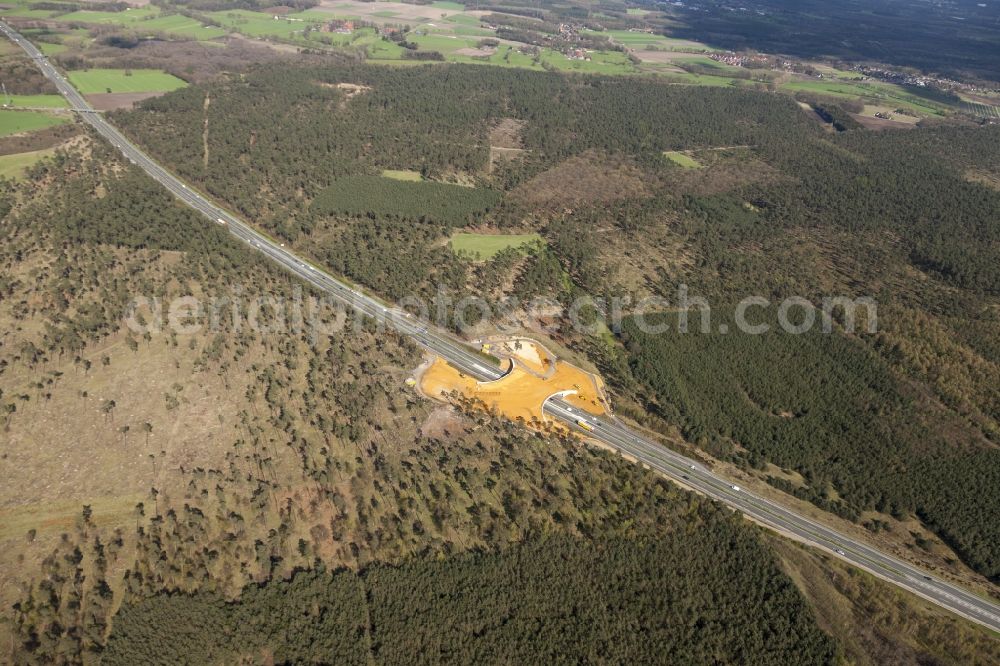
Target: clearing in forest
point(486, 246)
point(402, 174)
point(682, 159)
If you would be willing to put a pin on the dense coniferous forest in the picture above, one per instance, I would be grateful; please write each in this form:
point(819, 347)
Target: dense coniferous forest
point(370, 251)
point(710, 596)
point(453, 205)
point(827, 407)
point(315, 617)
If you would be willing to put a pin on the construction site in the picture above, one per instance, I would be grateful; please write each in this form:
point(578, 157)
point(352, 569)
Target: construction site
point(533, 375)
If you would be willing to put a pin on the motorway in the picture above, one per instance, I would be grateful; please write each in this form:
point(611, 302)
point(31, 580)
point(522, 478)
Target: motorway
point(607, 430)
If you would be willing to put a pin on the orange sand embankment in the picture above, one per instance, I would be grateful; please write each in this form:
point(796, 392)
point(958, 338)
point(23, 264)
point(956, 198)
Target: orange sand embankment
point(519, 394)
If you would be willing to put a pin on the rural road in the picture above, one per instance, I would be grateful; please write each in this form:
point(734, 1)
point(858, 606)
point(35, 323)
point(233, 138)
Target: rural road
point(609, 431)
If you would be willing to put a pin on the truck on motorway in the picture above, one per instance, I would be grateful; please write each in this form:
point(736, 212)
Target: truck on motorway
point(221, 221)
point(583, 424)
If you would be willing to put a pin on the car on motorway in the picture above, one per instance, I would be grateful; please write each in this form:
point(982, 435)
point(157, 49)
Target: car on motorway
point(840, 552)
point(736, 488)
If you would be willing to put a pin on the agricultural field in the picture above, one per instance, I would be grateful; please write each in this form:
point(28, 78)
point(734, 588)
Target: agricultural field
point(144, 20)
point(833, 72)
point(870, 110)
point(464, 19)
point(648, 41)
point(693, 79)
point(704, 61)
point(446, 44)
point(15, 122)
point(379, 49)
point(124, 81)
point(601, 62)
point(878, 93)
point(51, 49)
point(304, 29)
point(129, 16)
point(26, 11)
point(458, 49)
point(14, 166)
point(30, 101)
point(443, 27)
point(981, 110)
point(486, 246)
point(390, 12)
point(504, 56)
point(177, 24)
point(256, 24)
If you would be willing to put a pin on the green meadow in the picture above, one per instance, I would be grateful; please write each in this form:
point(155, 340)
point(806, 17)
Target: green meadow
point(682, 159)
point(487, 246)
point(14, 166)
point(15, 122)
point(47, 101)
point(885, 93)
point(402, 174)
point(124, 81)
point(129, 16)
